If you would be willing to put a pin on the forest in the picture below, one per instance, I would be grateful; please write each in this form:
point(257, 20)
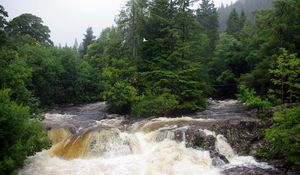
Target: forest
point(162, 57)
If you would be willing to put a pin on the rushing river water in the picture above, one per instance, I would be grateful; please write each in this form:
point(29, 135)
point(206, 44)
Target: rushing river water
point(86, 141)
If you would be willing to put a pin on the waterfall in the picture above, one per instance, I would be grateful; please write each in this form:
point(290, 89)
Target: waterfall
point(147, 147)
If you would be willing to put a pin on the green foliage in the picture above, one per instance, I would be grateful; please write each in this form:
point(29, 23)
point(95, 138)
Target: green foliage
point(249, 7)
point(59, 75)
point(171, 55)
point(207, 17)
point(249, 97)
point(3, 24)
point(227, 65)
point(88, 40)
point(16, 75)
point(21, 135)
point(120, 97)
point(276, 28)
point(235, 23)
point(105, 47)
point(3, 15)
point(286, 74)
point(117, 79)
point(284, 137)
point(165, 49)
point(131, 26)
point(78, 79)
point(154, 105)
point(28, 24)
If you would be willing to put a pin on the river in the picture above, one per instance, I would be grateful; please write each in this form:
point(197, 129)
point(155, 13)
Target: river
point(88, 141)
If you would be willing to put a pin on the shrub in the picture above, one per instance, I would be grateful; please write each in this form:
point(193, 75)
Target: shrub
point(284, 136)
point(249, 97)
point(154, 105)
point(20, 135)
point(120, 97)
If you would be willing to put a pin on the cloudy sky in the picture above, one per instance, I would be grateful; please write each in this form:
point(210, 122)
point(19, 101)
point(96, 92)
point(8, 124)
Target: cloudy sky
point(68, 19)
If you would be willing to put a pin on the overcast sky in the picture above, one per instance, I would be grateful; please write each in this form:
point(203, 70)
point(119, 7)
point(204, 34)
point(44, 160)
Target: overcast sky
point(69, 19)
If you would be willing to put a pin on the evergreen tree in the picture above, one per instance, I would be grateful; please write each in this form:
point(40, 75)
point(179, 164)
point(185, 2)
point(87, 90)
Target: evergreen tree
point(80, 48)
point(233, 23)
point(171, 54)
point(276, 28)
point(207, 17)
point(248, 6)
point(88, 39)
point(3, 15)
point(131, 25)
point(3, 24)
point(75, 45)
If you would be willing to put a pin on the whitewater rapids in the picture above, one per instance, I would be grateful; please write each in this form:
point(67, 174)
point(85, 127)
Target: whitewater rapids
point(148, 147)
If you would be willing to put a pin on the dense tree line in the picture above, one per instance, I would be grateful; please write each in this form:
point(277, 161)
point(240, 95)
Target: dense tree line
point(165, 56)
point(170, 53)
point(35, 74)
point(246, 6)
point(152, 62)
point(162, 57)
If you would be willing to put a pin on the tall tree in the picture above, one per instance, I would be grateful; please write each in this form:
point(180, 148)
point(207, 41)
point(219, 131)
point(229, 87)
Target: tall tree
point(88, 39)
point(131, 25)
point(233, 23)
point(286, 75)
point(3, 23)
point(207, 16)
point(3, 15)
point(171, 54)
point(249, 7)
point(75, 45)
point(28, 24)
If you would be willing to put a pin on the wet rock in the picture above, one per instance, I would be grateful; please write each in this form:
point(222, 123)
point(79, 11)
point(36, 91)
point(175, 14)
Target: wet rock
point(113, 116)
point(218, 159)
point(209, 143)
point(250, 171)
point(218, 162)
point(244, 136)
point(200, 140)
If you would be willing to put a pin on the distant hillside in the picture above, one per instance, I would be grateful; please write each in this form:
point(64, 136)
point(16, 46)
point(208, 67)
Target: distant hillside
point(249, 6)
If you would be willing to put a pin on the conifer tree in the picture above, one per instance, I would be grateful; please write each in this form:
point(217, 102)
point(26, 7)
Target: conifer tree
point(171, 54)
point(233, 23)
point(207, 17)
point(75, 45)
point(88, 39)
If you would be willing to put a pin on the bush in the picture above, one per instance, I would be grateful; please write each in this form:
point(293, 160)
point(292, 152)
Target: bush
point(284, 136)
point(20, 135)
point(249, 97)
point(119, 97)
point(154, 105)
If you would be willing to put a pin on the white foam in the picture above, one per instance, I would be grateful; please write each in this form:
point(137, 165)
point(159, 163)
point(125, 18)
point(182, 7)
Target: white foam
point(155, 158)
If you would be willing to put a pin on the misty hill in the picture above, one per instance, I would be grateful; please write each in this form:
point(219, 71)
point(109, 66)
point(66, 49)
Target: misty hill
point(248, 6)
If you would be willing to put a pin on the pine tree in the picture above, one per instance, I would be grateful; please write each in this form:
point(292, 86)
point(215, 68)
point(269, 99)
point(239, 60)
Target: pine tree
point(131, 23)
point(88, 39)
point(171, 53)
point(207, 17)
point(75, 45)
point(3, 15)
point(233, 23)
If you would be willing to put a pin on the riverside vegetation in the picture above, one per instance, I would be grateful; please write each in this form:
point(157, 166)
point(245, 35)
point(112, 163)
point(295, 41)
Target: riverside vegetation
point(162, 57)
